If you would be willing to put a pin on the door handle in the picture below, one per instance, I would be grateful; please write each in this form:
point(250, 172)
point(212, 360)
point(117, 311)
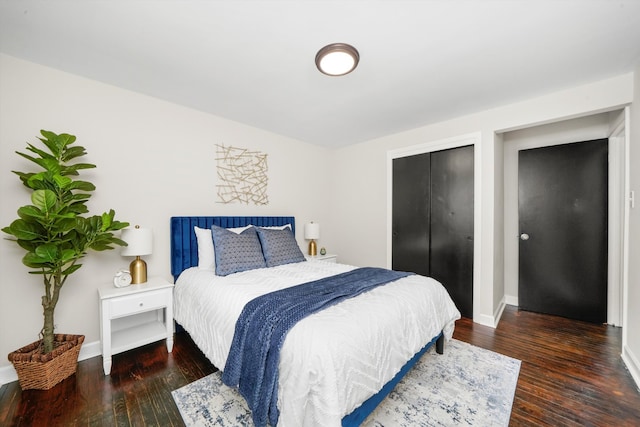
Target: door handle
point(524, 236)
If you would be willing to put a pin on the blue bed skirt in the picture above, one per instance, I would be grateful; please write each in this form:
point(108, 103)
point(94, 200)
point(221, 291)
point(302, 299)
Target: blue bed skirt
point(359, 414)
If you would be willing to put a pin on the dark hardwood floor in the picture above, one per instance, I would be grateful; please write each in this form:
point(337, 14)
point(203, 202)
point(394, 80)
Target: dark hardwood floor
point(571, 374)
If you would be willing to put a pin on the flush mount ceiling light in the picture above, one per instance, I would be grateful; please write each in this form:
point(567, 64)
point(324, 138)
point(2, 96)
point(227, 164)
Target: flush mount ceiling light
point(337, 59)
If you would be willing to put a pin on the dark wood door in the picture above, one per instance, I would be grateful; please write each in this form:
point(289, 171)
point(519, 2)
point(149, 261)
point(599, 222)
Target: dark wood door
point(411, 201)
point(563, 207)
point(432, 224)
point(452, 224)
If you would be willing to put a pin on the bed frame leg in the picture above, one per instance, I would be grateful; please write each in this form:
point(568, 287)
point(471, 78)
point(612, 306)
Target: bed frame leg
point(440, 344)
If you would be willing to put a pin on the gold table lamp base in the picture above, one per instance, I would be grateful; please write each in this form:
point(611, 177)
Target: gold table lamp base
point(138, 270)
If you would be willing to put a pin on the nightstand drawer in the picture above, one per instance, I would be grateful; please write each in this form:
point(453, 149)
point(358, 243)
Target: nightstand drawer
point(137, 303)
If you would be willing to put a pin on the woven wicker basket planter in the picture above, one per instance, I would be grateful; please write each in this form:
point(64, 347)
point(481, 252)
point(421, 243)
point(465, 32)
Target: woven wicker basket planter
point(43, 371)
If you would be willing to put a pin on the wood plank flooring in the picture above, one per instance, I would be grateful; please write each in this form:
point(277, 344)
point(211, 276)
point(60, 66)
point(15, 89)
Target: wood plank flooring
point(571, 375)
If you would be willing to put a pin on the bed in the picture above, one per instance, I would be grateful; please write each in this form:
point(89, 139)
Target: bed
point(335, 365)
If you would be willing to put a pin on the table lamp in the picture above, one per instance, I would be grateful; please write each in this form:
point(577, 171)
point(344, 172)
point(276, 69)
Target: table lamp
point(312, 232)
point(139, 242)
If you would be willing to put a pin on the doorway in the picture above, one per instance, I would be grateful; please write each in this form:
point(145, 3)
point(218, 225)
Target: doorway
point(609, 125)
point(563, 206)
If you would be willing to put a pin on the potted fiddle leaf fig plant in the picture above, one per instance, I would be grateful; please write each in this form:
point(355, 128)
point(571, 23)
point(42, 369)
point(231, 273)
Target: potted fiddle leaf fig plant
point(56, 232)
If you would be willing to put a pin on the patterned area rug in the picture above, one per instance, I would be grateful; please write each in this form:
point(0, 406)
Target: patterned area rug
point(467, 386)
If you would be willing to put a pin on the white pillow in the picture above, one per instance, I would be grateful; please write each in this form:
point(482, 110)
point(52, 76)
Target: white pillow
point(206, 256)
point(206, 253)
point(279, 227)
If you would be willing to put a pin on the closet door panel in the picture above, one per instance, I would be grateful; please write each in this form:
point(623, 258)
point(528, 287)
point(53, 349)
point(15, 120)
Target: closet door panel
point(410, 223)
point(451, 228)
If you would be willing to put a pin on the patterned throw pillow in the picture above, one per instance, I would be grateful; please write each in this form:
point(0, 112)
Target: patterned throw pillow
point(206, 253)
point(236, 252)
point(279, 246)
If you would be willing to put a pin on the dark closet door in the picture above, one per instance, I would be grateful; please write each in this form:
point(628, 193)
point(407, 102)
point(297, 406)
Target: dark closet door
point(452, 224)
point(432, 224)
point(411, 199)
point(563, 207)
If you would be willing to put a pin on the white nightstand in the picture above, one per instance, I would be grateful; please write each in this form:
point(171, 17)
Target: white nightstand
point(127, 320)
point(326, 258)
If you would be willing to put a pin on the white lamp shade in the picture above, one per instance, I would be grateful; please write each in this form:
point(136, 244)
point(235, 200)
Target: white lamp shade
point(139, 241)
point(312, 231)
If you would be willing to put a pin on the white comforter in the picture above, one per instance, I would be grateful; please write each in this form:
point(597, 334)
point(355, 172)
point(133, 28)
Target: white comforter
point(333, 360)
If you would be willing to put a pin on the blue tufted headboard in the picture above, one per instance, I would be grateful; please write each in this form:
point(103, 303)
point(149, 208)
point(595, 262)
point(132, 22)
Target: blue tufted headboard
point(184, 248)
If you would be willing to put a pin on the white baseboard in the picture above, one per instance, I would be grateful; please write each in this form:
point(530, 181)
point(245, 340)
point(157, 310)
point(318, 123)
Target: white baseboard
point(88, 350)
point(491, 321)
point(485, 320)
point(511, 300)
point(497, 315)
point(632, 363)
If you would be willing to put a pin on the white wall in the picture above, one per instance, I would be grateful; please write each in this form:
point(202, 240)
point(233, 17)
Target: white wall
point(359, 171)
point(154, 160)
point(631, 334)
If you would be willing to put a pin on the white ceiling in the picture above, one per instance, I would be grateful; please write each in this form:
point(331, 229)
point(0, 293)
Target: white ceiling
point(253, 61)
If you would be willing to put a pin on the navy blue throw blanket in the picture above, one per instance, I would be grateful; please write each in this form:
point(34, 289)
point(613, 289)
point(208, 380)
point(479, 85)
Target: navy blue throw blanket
point(253, 360)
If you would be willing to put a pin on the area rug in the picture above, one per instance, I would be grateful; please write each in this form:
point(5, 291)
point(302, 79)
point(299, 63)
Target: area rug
point(466, 386)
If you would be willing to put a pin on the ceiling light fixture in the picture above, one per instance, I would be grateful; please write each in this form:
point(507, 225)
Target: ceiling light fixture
point(337, 59)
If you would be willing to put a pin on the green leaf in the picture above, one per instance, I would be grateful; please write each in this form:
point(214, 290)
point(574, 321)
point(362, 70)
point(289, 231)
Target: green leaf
point(68, 255)
point(30, 158)
point(36, 181)
point(31, 259)
point(82, 185)
point(29, 212)
point(49, 163)
point(28, 245)
point(42, 181)
point(66, 139)
point(43, 154)
point(119, 242)
point(79, 166)
point(80, 196)
point(65, 224)
point(117, 225)
point(63, 182)
point(78, 208)
point(44, 200)
point(71, 269)
point(100, 246)
point(82, 226)
point(72, 153)
point(24, 230)
point(106, 220)
point(56, 143)
point(50, 141)
point(48, 252)
point(95, 223)
point(24, 177)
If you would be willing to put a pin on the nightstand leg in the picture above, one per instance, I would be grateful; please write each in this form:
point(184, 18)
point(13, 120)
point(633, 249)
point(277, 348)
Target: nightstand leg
point(168, 321)
point(106, 365)
point(105, 336)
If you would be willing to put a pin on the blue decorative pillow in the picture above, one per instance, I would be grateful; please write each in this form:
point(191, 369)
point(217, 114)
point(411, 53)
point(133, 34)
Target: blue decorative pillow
point(279, 246)
point(236, 252)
